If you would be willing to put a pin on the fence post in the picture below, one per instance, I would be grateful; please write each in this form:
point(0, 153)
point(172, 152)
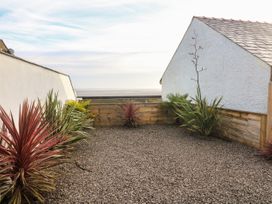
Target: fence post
point(269, 114)
point(263, 131)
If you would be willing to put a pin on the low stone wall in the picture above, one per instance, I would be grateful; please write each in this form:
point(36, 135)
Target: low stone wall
point(247, 128)
point(111, 114)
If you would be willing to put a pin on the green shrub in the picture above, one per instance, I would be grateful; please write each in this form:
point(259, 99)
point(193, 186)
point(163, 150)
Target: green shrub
point(80, 114)
point(176, 100)
point(71, 119)
point(81, 106)
point(197, 115)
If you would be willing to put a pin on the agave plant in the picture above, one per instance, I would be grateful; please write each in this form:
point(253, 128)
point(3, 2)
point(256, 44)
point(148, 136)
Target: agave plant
point(27, 154)
point(130, 114)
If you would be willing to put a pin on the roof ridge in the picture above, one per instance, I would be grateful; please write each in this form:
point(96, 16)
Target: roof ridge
point(226, 19)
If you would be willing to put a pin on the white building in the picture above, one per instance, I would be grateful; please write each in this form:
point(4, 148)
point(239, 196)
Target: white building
point(21, 79)
point(237, 56)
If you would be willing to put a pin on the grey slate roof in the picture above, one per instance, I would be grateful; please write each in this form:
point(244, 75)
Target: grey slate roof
point(255, 37)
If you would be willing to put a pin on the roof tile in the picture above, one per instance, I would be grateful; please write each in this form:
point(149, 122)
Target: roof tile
point(256, 37)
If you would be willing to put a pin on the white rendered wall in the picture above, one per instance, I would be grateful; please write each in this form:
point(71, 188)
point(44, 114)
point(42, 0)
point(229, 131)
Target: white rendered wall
point(20, 80)
point(241, 78)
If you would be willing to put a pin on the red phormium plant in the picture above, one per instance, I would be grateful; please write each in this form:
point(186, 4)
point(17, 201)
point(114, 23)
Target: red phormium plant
point(27, 153)
point(130, 114)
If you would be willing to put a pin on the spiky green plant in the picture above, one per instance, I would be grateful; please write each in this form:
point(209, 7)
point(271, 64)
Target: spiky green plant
point(66, 119)
point(176, 100)
point(198, 115)
point(82, 113)
point(27, 154)
point(79, 121)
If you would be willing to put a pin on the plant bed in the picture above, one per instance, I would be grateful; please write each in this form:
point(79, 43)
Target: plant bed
point(161, 164)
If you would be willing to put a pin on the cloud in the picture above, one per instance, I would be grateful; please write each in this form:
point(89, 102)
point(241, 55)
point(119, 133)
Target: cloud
point(109, 43)
point(89, 39)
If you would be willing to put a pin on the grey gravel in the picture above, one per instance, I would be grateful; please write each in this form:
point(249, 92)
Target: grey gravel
point(162, 164)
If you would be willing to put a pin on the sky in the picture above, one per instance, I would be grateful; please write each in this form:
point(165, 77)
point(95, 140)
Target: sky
point(111, 44)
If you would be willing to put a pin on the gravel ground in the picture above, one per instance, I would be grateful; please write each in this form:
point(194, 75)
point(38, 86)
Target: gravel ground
point(162, 164)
